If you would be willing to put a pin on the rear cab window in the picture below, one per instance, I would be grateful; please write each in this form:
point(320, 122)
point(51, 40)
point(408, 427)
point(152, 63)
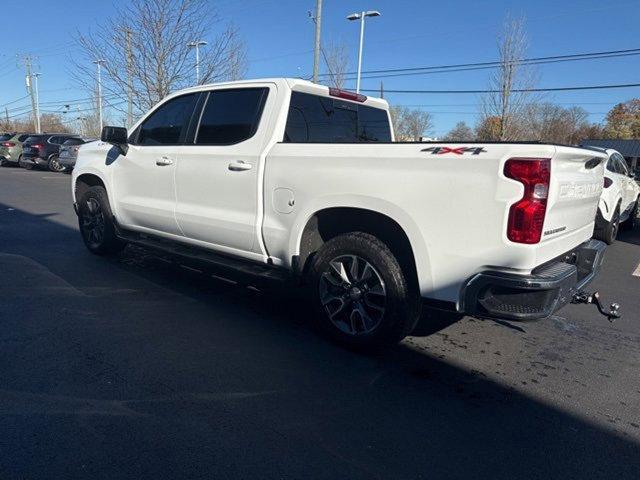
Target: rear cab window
point(231, 116)
point(318, 119)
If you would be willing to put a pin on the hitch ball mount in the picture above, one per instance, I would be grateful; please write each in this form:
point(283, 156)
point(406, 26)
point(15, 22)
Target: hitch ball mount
point(594, 298)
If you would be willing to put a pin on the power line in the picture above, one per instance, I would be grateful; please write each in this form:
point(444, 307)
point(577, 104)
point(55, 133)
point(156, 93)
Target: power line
point(551, 89)
point(489, 67)
point(497, 63)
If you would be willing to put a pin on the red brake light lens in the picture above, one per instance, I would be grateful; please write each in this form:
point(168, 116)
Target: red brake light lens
point(37, 145)
point(356, 97)
point(8, 144)
point(607, 182)
point(526, 216)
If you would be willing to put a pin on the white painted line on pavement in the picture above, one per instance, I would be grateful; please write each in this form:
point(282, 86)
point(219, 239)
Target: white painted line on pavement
point(62, 178)
point(636, 272)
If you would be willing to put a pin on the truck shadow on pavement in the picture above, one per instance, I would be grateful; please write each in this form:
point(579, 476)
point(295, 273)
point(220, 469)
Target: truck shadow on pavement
point(136, 367)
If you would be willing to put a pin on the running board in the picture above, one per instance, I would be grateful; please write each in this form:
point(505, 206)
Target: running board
point(204, 258)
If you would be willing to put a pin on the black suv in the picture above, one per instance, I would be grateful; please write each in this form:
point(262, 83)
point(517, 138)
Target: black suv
point(41, 150)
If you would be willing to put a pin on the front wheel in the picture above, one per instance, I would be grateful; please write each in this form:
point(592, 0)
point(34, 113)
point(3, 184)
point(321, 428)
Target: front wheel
point(54, 165)
point(363, 297)
point(96, 223)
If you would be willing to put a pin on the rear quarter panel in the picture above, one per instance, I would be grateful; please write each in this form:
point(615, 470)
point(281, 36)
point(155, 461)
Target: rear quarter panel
point(453, 207)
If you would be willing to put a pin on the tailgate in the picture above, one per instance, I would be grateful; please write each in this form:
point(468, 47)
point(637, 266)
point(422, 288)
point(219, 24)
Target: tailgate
point(575, 188)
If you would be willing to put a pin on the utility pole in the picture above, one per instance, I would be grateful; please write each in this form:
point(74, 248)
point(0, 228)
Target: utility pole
point(6, 115)
point(99, 63)
point(27, 78)
point(381, 89)
point(129, 53)
point(316, 51)
point(36, 75)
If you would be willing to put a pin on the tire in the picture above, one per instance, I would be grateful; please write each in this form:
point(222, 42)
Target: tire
point(630, 222)
point(96, 223)
point(607, 231)
point(367, 307)
point(3, 162)
point(54, 165)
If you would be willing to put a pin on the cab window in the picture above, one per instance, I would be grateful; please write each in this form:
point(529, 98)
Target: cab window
point(168, 124)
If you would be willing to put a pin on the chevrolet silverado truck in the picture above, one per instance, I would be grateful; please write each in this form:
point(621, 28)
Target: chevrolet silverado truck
point(289, 179)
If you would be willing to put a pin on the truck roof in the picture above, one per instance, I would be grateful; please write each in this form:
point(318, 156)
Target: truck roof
point(295, 84)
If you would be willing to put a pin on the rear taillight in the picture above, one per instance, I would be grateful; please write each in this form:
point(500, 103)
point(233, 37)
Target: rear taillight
point(75, 149)
point(526, 216)
point(37, 146)
point(8, 144)
point(356, 97)
point(607, 182)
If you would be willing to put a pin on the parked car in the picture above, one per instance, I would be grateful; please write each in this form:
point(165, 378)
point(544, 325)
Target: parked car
point(283, 178)
point(69, 151)
point(11, 148)
point(618, 204)
point(41, 150)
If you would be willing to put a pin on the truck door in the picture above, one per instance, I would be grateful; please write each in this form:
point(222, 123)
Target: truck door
point(144, 177)
point(217, 178)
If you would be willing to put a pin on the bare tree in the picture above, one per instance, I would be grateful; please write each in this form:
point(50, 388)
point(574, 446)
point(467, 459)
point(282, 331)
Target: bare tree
point(460, 132)
point(145, 51)
point(506, 101)
point(336, 59)
point(553, 123)
point(410, 124)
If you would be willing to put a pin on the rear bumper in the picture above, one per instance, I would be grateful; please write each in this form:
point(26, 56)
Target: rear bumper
point(502, 294)
point(67, 161)
point(35, 160)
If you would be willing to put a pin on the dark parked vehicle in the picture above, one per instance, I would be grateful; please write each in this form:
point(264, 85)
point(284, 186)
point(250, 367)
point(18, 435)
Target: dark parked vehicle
point(41, 150)
point(69, 151)
point(11, 147)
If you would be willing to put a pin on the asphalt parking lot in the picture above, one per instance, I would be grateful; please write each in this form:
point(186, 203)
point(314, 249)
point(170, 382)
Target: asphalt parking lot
point(139, 368)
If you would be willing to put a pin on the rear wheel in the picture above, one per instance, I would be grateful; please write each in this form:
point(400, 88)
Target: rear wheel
point(3, 162)
point(363, 299)
point(607, 231)
point(630, 222)
point(54, 164)
point(97, 227)
point(28, 166)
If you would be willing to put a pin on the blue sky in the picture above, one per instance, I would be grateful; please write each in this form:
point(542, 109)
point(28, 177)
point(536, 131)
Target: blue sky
point(410, 33)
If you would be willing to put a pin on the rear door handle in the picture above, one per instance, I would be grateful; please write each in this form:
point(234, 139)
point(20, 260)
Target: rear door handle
point(239, 166)
point(164, 161)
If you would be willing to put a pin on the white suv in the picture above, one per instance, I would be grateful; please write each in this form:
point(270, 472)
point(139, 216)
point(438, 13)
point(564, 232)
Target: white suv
point(619, 200)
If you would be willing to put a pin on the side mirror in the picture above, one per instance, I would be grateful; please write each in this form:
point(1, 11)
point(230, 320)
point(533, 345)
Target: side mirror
point(116, 136)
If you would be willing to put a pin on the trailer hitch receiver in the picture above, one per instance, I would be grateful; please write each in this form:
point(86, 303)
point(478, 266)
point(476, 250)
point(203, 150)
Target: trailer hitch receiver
point(594, 298)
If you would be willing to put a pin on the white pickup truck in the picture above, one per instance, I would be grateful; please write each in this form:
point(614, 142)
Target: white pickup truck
point(285, 178)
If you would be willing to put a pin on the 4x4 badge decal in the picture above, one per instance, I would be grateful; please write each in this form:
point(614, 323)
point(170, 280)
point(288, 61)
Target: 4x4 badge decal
point(455, 150)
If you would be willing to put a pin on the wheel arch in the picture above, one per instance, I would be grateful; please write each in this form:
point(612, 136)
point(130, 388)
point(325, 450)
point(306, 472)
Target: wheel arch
point(84, 182)
point(329, 222)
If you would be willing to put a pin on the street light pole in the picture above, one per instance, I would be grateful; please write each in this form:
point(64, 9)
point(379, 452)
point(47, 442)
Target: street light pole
point(99, 63)
point(361, 16)
point(197, 44)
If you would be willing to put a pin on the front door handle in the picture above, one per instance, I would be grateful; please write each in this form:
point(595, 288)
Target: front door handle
point(164, 161)
point(239, 166)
